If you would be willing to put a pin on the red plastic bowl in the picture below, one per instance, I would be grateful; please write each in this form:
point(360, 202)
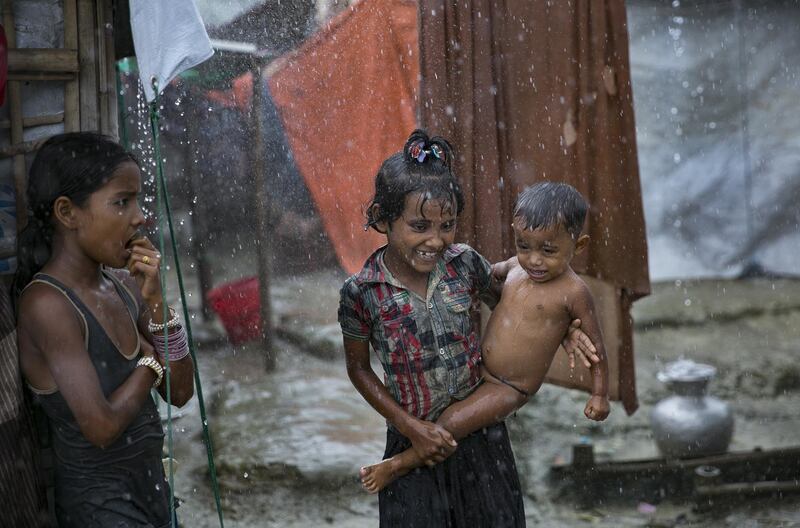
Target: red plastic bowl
point(239, 308)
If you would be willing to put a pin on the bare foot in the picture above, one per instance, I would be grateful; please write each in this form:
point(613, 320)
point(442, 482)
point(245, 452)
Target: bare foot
point(377, 476)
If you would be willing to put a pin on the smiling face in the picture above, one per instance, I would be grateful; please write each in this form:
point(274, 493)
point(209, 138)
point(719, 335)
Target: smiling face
point(110, 217)
point(545, 253)
point(419, 237)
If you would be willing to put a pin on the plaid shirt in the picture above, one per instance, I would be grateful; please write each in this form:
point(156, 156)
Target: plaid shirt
point(428, 347)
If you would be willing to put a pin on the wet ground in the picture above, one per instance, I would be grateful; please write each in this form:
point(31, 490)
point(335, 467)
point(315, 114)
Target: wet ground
point(289, 443)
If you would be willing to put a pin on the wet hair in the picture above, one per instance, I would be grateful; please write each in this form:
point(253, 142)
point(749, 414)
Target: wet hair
point(73, 165)
point(424, 166)
point(550, 204)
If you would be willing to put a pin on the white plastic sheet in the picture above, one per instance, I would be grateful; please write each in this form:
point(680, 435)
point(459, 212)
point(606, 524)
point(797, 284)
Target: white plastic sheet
point(169, 37)
point(718, 130)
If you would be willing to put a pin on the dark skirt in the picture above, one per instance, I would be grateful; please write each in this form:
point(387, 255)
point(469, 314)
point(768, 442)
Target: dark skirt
point(477, 486)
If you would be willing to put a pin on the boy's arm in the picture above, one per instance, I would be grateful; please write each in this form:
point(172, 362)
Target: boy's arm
point(582, 307)
point(432, 442)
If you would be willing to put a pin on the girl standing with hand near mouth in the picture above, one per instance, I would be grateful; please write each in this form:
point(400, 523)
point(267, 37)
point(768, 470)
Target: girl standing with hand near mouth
point(411, 302)
point(86, 330)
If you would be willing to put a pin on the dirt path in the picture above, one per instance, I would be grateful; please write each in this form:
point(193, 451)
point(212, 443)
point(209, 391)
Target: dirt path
point(289, 443)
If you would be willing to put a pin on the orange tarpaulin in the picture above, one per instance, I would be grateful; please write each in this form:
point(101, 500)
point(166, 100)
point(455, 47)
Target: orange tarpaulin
point(347, 101)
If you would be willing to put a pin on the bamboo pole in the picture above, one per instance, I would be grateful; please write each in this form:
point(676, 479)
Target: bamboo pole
point(103, 106)
point(29, 122)
point(197, 207)
point(19, 150)
point(15, 118)
point(111, 71)
point(738, 490)
point(72, 114)
point(48, 60)
point(40, 76)
point(87, 57)
point(262, 207)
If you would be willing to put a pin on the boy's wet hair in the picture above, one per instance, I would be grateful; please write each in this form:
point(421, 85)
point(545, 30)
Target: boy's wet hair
point(422, 167)
point(73, 165)
point(549, 204)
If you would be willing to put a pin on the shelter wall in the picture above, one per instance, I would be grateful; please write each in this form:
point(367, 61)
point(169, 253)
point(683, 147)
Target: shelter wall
point(61, 78)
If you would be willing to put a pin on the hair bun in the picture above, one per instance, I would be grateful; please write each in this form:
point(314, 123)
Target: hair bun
point(420, 147)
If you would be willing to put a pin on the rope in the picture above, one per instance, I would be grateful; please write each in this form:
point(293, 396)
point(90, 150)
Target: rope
point(160, 209)
point(163, 206)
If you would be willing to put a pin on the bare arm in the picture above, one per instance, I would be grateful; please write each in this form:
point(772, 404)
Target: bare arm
point(51, 340)
point(431, 442)
point(577, 343)
point(145, 282)
point(582, 307)
point(181, 372)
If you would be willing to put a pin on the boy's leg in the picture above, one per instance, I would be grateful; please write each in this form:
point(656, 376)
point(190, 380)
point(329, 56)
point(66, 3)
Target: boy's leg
point(489, 404)
point(377, 476)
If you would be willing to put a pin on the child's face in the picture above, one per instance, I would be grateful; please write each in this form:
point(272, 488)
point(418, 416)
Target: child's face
point(110, 217)
point(545, 253)
point(420, 236)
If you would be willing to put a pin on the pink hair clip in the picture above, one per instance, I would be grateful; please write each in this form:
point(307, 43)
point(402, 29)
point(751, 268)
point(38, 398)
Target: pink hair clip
point(417, 151)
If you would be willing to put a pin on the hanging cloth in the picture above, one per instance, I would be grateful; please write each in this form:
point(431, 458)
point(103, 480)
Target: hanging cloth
point(169, 38)
point(535, 91)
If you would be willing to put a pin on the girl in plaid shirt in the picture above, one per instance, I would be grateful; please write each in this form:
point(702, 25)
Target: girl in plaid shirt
point(411, 302)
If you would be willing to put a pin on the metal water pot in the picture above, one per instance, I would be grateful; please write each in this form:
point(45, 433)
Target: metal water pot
point(690, 423)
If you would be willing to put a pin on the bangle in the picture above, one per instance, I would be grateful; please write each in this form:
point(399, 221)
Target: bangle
point(176, 343)
point(159, 327)
point(150, 361)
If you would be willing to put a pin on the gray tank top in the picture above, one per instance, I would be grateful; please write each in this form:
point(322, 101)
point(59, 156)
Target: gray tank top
point(122, 485)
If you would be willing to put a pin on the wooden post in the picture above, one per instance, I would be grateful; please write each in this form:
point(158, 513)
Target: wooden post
point(583, 464)
point(87, 58)
point(72, 114)
point(262, 208)
point(112, 119)
point(102, 79)
point(197, 208)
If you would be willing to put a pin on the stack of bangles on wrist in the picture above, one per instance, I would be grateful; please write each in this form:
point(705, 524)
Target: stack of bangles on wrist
point(176, 342)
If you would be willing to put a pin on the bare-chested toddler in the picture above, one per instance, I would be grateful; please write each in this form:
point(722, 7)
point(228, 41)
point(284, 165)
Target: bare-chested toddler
point(541, 295)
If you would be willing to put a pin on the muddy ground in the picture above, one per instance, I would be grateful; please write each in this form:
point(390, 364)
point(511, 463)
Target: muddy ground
point(289, 443)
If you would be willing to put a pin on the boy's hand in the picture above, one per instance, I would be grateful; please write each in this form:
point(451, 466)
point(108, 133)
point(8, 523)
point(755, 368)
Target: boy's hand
point(433, 443)
point(576, 342)
point(597, 408)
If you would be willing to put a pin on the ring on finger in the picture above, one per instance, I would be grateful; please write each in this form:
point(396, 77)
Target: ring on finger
point(146, 259)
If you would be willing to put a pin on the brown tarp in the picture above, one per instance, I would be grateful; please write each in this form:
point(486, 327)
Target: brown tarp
point(540, 90)
point(347, 101)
